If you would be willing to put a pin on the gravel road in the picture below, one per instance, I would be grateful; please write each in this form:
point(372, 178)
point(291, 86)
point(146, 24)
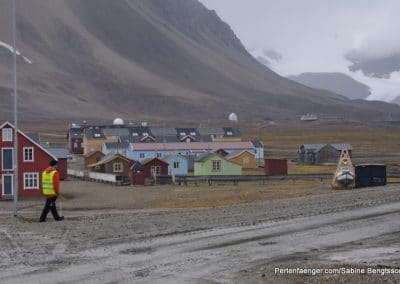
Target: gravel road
point(241, 243)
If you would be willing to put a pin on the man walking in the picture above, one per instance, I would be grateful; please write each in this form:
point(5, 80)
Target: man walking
point(51, 188)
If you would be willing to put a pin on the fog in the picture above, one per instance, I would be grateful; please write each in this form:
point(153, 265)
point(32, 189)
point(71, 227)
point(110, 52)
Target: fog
point(315, 35)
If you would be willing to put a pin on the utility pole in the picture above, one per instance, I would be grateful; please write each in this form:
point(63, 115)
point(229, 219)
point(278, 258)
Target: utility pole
point(15, 152)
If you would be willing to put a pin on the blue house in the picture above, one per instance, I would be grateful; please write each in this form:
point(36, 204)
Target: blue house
point(177, 164)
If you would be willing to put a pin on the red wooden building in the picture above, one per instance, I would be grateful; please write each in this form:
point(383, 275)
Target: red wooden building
point(32, 160)
point(140, 171)
point(275, 167)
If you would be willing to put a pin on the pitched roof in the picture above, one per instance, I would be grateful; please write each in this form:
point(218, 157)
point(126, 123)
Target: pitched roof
point(258, 143)
point(317, 147)
point(231, 132)
point(205, 156)
point(193, 146)
point(34, 136)
point(90, 153)
point(115, 131)
point(343, 146)
point(76, 132)
point(30, 139)
point(187, 131)
point(108, 158)
point(148, 160)
point(94, 133)
point(140, 131)
point(163, 131)
point(117, 145)
point(236, 153)
point(209, 131)
point(165, 158)
point(60, 153)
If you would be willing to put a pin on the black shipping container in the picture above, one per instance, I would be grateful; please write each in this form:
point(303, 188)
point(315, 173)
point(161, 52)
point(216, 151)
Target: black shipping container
point(370, 175)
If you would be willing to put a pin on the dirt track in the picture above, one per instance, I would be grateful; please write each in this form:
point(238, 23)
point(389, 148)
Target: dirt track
point(238, 243)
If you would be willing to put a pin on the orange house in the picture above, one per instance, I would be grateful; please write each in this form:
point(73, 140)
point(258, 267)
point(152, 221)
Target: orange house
point(244, 158)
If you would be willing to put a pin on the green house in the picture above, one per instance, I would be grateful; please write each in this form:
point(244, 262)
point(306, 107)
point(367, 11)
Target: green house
point(212, 164)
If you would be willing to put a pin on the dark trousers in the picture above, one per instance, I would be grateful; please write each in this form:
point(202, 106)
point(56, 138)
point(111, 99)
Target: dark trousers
point(50, 206)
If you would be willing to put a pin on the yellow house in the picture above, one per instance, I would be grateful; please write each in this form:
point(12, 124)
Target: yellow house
point(244, 158)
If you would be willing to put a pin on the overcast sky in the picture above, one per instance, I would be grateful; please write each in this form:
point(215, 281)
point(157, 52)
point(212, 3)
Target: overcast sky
point(314, 35)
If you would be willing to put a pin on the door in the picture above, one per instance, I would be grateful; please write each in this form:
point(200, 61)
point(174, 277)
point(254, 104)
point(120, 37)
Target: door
point(7, 182)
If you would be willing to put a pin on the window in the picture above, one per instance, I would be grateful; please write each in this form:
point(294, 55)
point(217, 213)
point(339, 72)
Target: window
point(135, 134)
point(75, 145)
point(141, 155)
point(193, 133)
point(176, 165)
point(156, 170)
point(7, 159)
point(31, 180)
point(159, 155)
point(28, 154)
point(7, 134)
point(117, 167)
point(145, 134)
point(97, 135)
point(216, 166)
point(229, 133)
point(182, 133)
point(246, 160)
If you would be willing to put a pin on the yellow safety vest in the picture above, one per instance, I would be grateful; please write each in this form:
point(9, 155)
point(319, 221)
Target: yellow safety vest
point(47, 183)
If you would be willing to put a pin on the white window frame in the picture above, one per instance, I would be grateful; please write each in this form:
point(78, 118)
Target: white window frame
point(246, 160)
point(118, 167)
point(135, 134)
point(12, 157)
point(216, 165)
point(229, 133)
point(159, 155)
point(177, 165)
point(142, 155)
point(157, 170)
point(34, 177)
point(7, 134)
point(182, 134)
point(24, 149)
point(193, 133)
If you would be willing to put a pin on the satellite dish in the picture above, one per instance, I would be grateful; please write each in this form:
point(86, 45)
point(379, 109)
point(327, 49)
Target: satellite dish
point(118, 121)
point(233, 117)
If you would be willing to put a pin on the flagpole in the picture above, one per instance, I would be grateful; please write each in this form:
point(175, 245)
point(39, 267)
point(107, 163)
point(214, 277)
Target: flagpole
point(15, 151)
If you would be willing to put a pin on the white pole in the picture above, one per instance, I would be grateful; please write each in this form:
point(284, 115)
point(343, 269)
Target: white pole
point(15, 156)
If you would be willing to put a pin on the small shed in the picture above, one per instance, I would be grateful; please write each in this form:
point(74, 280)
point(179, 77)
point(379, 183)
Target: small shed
point(244, 158)
point(212, 164)
point(317, 154)
point(147, 168)
point(116, 164)
point(275, 167)
point(92, 157)
point(177, 164)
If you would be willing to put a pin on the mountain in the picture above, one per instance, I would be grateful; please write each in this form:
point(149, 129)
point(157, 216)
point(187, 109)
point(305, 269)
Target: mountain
point(338, 83)
point(155, 60)
point(396, 100)
point(379, 67)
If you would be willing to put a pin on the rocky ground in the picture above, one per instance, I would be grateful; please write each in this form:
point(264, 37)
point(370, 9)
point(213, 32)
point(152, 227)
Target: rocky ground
point(235, 243)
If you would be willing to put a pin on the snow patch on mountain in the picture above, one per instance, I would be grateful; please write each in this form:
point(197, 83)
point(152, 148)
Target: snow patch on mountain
point(11, 49)
point(382, 89)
